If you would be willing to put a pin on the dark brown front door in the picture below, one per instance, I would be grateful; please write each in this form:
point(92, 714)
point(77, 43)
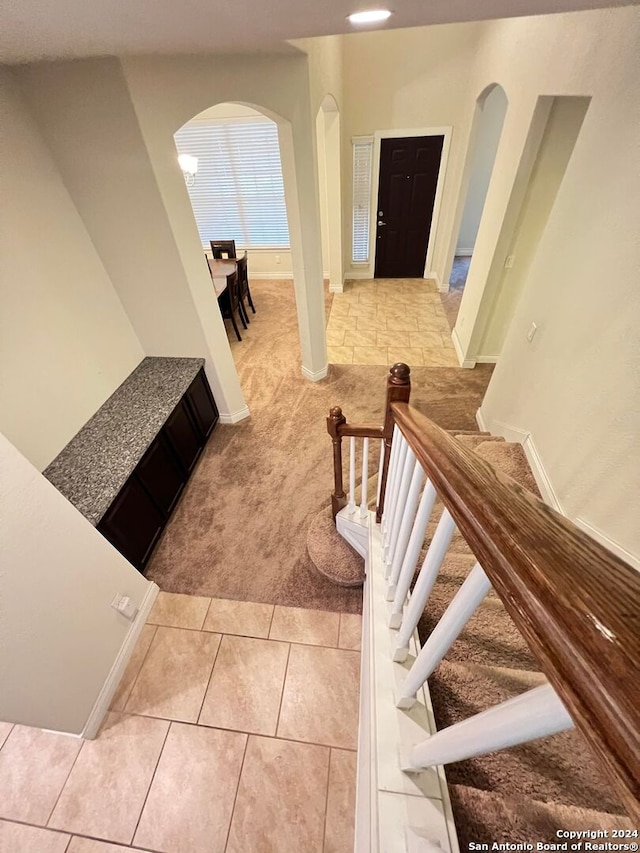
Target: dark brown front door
point(409, 170)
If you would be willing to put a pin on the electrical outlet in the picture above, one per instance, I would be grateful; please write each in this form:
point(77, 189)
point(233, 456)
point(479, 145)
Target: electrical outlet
point(508, 264)
point(277, 259)
point(124, 605)
point(532, 332)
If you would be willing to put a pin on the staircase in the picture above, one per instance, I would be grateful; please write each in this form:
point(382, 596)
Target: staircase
point(527, 793)
point(531, 774)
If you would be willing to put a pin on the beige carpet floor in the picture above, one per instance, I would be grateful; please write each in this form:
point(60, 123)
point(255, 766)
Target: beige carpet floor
point(240, 529)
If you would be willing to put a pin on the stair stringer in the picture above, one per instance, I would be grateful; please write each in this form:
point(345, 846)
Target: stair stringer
point(396, 812)
point(354, 529)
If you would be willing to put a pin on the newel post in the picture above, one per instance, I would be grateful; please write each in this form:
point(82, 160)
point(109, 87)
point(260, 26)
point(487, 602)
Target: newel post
point(335, 420)
point(398, 391)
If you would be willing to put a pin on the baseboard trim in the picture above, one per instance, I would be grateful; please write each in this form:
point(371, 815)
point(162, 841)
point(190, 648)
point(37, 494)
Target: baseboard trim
point(357, 275)
point(336, 288)
point(443, 288)
point(549, 494)
point(463, 253)
point(540, 475)
point(608, 543)
point(103, 702)
point(315, 377)
point(487, 359)
point(462, 361)
point(235, 417)
point(258, 276)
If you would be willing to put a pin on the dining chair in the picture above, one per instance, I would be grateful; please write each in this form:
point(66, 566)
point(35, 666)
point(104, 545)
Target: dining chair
point(222, 248)
point(243, 281)
point(229, 302)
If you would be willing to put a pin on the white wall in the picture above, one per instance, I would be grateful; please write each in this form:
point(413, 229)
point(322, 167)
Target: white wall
point(65, 340)
point(560, 135)
point(88, 120)
point(405, 79)
point(575, 387)
point(489, 119)
point(59, 637)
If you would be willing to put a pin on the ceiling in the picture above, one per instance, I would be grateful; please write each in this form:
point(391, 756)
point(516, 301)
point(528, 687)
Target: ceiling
point(55, 29)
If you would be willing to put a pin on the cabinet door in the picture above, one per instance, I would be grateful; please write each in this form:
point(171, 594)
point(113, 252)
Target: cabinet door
point(183, 436)
point(133, 523)
point(161, 474)
point(202, 404)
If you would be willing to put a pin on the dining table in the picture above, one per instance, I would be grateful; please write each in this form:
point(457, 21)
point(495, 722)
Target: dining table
point(220, 269)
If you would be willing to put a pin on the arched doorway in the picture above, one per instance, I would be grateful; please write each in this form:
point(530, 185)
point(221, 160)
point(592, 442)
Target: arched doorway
point(329, 188)
point(490, 111)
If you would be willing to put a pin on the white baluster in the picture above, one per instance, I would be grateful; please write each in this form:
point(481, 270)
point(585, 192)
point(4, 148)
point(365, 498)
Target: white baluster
point(413, 552)
point(464, 604)
point(392, 496)
point(534, 714)
point(391, 471)
point(352, 475)
point(401, 503)
point(424, 584)
point(365, 478)
point(406, 524)
point(380, 467)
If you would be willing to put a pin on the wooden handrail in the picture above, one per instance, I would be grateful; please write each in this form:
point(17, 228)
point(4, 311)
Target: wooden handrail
point(576, 604)
point(398, 390)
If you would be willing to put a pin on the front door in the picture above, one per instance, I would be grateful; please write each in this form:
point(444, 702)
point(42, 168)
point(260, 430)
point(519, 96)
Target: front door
point(409, 170)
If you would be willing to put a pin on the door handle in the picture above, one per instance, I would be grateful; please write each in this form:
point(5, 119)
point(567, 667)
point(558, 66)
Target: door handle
point(380, 222)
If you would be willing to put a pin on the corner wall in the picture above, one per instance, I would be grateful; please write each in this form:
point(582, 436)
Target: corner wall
point(87, 117)
point(65, 340)
point(59, 637)
point(575, 388)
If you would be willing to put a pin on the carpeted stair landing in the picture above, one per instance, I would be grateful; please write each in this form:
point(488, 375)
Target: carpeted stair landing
point(524, 794)
point(331, 555)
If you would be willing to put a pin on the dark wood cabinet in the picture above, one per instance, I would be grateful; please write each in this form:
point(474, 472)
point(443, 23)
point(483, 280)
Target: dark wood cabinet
point(161, 475)
point(202, 405)
point(133, 523)
point(184, 436)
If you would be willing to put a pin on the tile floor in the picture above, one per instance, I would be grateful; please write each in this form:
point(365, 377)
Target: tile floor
point(381, 321)
point(233, 730)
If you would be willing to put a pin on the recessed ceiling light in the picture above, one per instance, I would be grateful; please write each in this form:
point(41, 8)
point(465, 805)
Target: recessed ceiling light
point(372, 16)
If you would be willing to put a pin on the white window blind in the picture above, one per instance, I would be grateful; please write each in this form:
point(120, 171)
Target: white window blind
point(361, 199)
point(238, 192)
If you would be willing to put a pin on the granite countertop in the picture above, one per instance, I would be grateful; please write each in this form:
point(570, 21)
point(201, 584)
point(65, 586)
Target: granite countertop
point(97, 462)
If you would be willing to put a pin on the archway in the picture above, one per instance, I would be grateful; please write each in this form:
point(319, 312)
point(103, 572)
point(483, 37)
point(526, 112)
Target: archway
point(490, 111)
point(299, 182)
point(329, 190)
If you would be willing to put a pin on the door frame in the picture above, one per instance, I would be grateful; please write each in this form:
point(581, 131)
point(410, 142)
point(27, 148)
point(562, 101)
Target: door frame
point(378, 136)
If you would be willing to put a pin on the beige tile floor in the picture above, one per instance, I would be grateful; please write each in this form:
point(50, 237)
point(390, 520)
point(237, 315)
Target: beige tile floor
point(233, 731)
point(381, 321)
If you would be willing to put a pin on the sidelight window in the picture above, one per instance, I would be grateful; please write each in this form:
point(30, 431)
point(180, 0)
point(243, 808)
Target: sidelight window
point(361, 222)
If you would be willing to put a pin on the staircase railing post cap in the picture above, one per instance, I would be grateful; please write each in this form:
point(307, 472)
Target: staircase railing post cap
point(399, 374)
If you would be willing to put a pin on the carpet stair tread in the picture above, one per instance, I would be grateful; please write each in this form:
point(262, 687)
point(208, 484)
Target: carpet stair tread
point(559, 769)
point(489, 638)
point(490, 817)
point(332, 555)
point(472, 440)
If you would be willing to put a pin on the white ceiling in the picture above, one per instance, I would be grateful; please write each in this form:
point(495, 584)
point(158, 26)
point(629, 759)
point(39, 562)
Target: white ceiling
point(54, 29)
